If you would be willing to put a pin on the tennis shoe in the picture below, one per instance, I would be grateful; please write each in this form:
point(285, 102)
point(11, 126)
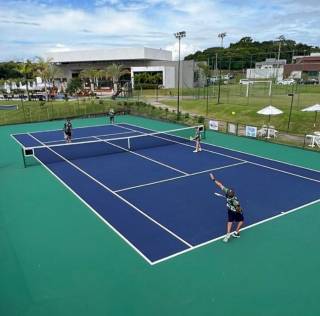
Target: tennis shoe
point(236, 235)
point(195, 151)
point(226, 239)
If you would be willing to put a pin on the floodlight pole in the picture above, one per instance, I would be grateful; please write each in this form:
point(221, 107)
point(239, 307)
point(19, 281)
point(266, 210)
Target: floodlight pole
point(281, 38)
point(222, 36)
point(179, 35)
point(219, 83)
point(292, 96)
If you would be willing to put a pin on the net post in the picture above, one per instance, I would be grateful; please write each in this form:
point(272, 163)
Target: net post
point(24, 158)
point(204, 131)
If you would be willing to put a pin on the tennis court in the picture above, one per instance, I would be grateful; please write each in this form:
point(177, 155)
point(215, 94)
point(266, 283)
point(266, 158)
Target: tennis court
point(59, 258)
point(155, 193)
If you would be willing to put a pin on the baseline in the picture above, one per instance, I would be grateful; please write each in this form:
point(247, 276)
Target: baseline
point(117, 195)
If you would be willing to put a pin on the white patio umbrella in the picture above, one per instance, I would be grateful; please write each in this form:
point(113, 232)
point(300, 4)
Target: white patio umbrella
point(7, 87)
point(270, 110)
point(313, 108)
point(14, 85)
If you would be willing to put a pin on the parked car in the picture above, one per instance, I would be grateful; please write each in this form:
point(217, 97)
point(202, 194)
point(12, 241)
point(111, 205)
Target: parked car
point(245, 81)
point(309, 81)
point(228, 76)
point(213, 79)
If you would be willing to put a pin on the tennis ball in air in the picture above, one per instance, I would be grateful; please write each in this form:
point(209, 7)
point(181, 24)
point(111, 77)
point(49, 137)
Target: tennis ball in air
point(233, 113)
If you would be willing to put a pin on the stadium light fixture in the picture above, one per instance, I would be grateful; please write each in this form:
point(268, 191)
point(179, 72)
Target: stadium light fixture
point(179, 36)
point(222, 36)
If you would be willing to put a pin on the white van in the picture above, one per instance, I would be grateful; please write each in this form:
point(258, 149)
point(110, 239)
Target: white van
point(286, 82)
point(245, 81)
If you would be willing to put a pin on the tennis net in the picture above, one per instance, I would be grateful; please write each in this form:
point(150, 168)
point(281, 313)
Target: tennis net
point(102, 145)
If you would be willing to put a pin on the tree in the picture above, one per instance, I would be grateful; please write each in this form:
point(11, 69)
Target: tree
point(27, 71)
point(74, 86)
point(205, 70)
point(115, 72)
point(43, 69)
point(93, 75)
point(10, 70)
point(246, 52)
point(53, 73)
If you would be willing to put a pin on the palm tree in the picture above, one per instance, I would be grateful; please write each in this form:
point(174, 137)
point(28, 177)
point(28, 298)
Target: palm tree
point(42, 67)
point(27, 70)
point(92, 75)
point(53, 72)
point(115, 72)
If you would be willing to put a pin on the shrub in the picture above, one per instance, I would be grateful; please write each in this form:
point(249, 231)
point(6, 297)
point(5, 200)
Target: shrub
point(201, 119)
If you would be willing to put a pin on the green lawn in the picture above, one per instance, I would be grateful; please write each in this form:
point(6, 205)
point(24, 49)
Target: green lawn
point(231, 89)
point(301, 122)
point(36, 111)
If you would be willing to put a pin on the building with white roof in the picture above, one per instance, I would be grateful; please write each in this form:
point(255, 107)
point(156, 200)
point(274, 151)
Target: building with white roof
point(140, 59)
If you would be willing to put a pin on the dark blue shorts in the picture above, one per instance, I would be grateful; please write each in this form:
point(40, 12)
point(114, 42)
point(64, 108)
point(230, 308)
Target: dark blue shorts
point(235, 216)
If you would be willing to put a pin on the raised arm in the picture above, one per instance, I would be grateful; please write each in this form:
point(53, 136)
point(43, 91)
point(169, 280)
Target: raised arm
point(219, 184)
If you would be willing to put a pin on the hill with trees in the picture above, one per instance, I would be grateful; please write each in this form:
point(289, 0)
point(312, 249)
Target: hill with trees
point(246, 52)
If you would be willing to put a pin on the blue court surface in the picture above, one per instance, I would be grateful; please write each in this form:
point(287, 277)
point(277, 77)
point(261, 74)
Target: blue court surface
point(155, 193)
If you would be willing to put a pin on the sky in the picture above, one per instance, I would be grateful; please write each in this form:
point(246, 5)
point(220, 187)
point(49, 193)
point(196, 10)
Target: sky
point(32, 28)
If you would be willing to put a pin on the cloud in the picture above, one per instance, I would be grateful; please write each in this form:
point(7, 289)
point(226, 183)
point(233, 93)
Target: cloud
point(151, 23)
point(19, 22)
point(59, 48)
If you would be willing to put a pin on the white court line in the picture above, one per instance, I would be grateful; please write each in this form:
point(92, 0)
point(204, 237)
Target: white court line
point(96, 213)
point(57, 130)
point(238, 151)
point(250, 162)
point(12, 136)
point(142, 156)
point(76, 138)
point(283, 171)
point(95, 141)
point(245, 228)
point(180, 177)
point(164, 259)
point(183, 144)
point(117, 195)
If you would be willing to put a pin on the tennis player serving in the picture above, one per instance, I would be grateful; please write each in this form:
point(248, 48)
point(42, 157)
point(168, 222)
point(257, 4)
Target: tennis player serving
point(235, 213)
point(197, 139)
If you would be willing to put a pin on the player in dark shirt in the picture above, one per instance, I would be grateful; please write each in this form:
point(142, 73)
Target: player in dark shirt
point(235, 212)
point(67, 128)
point(197, 139)
point(111, 116)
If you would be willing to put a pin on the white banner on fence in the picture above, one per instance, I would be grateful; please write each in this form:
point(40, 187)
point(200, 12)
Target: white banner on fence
point(214, 125)
point(232, 128)
point(251, 131)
